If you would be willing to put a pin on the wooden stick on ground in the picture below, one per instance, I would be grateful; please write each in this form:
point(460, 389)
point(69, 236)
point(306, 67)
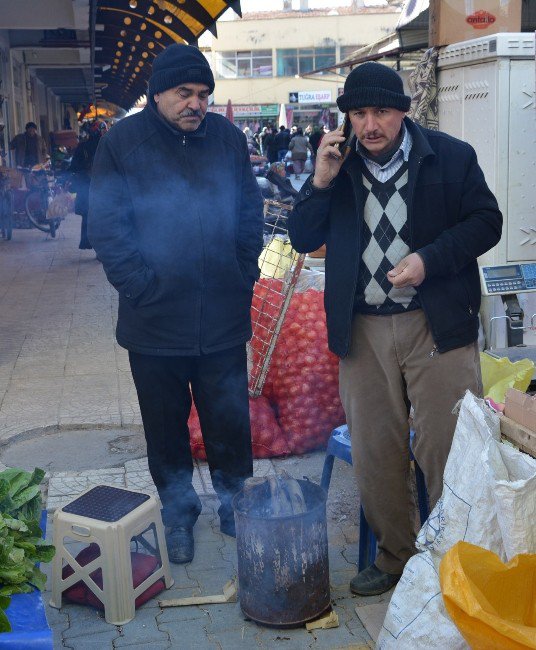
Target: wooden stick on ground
point(229, 596)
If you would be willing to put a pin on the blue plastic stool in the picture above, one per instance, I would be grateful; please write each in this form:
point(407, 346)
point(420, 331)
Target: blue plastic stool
point(339, 446)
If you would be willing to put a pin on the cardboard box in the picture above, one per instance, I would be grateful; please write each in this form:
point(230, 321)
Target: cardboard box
point(523, 438)
point(452, 21)
point(520, 408)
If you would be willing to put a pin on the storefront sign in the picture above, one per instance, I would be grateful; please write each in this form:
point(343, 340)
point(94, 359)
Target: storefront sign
point(310, 97)
point(248, 110)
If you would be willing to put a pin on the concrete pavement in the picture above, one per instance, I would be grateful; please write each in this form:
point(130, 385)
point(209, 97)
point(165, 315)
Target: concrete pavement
point(63, 378)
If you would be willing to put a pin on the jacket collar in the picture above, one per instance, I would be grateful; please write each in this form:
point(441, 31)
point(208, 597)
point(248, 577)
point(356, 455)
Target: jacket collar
point(159, 121)
point(421, 147)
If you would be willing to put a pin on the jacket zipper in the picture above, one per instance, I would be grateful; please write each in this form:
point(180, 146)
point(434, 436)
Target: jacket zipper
point(356, 275)
point(412, 248)
point(184, 144)
point(435, 349)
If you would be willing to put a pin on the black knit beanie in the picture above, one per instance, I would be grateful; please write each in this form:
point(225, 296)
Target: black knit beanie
point(179, 64)
point(373, 84)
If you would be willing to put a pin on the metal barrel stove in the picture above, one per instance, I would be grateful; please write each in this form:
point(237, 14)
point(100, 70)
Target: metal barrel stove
point(283, 567)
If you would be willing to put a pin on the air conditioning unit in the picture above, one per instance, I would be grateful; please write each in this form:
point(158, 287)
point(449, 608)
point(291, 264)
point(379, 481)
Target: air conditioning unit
point(486, 96)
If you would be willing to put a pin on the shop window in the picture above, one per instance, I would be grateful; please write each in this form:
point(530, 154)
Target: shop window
point(292, 61)
point(248, 63)
point(346, 51)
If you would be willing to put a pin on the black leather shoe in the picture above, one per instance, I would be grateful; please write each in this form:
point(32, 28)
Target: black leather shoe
point(227, 526)
point(372, 582)
point(180, 544)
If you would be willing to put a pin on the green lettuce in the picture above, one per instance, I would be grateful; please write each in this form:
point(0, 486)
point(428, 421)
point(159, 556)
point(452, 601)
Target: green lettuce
point(21, 538)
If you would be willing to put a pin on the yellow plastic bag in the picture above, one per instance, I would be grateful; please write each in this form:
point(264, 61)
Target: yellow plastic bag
point(498, 375)
point(493, 604)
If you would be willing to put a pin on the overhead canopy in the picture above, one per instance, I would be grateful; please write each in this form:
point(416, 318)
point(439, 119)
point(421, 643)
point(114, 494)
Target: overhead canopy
point(128, 34)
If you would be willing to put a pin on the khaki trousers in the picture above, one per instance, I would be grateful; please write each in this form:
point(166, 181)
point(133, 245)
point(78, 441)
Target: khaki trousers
point(389, 368)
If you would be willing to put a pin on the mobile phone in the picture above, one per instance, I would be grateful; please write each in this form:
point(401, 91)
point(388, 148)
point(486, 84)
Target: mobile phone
point(347, 133)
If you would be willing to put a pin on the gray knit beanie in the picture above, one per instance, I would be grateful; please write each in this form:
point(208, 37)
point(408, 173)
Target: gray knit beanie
point(373, 84)
point(179, 64)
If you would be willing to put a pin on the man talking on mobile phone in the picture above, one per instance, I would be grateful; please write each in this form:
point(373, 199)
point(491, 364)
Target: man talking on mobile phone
point(404, 217)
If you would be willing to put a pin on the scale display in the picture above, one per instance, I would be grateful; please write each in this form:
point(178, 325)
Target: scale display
point(508, 278)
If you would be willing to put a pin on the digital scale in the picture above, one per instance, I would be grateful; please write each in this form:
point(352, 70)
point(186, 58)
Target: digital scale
point(508, 278)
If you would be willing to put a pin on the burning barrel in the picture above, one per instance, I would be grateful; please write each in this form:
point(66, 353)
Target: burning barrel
point(283, 569)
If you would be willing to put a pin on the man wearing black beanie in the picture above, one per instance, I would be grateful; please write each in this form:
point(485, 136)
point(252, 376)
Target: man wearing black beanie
point(404, 212)
point(176, 220)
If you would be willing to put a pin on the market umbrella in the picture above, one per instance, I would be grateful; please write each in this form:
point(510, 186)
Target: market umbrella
point(283, 116)
point(229, 111)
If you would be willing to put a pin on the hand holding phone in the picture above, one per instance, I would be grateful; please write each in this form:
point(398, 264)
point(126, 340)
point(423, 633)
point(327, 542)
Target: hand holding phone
point(347, 133)
point(333, 149)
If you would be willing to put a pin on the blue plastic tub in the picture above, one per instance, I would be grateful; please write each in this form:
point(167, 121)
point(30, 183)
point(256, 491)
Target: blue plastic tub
point(26, 613)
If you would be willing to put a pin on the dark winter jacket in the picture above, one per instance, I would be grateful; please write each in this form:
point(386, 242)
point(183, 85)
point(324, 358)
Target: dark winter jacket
point(282, 140)
point(453, 219)
point(80, 168)
point(176, 220)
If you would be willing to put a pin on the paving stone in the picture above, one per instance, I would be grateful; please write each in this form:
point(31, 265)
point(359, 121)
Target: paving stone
point(208, 557)
point(140, 480)
point(94, 641)
point(137, 465)
point(371, 618)
point(89, 622)
point(181, 578)
point(55, 617)
point(74, 485)
point(179, 615)
point(189, 636)
point(263, 467)
point(211, 582)
point(57, 635)
point(155, 645)
point(206, 480)
point(142, 629)
point(243, 637)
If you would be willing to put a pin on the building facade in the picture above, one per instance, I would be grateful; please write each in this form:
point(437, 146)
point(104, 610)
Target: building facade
point(262, 62)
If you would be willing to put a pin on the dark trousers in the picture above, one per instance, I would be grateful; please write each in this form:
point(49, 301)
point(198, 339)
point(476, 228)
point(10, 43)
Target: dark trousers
point(219, 386)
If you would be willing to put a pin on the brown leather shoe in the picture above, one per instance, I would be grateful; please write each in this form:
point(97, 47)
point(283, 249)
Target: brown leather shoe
point(372, 581)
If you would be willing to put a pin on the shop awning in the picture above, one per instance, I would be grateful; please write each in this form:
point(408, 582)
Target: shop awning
point(128, 34)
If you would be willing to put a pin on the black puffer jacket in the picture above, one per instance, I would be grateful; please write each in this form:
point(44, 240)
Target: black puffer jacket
point(453, 219)
point(176, 220)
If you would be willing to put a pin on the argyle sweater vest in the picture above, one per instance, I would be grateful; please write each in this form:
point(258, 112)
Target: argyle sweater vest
point(385, 242)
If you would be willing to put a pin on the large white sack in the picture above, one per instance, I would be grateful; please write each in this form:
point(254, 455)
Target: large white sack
point(466, 509)
point(512, 476)
point(417, 617)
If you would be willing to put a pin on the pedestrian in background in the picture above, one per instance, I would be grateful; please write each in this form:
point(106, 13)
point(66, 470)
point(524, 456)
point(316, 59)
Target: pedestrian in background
point(272, 146)
point(80, 168)
point(314, 140)
point(30, 148)
point(298, 147)
point(404, 217)
point(282, 138)
point(176, 218)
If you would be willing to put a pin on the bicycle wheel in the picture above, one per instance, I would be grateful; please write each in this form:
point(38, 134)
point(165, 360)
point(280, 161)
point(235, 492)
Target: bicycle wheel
point(36, 208)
